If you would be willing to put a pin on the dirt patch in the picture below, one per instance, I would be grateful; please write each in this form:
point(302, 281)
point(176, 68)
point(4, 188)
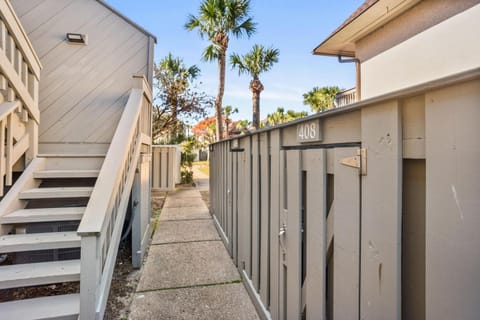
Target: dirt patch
point(206, 197)
point(124, 283)
point(39, 291)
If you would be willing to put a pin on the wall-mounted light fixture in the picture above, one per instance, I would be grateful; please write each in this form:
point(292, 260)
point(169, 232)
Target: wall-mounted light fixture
point(76, 38)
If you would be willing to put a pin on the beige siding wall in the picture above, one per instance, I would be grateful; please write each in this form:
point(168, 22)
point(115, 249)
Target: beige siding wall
point(442, 50)
point(424, 15)
point(84, 87)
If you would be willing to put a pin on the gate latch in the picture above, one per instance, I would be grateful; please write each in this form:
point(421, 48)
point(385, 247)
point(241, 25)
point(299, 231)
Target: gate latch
point(359, 161)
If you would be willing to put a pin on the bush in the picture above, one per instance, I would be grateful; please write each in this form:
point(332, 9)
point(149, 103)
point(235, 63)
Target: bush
point(187, 158)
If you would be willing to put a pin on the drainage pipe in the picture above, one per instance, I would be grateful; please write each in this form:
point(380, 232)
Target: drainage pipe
point(358, 86)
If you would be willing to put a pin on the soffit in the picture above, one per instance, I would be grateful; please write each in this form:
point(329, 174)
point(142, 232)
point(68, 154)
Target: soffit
point(369, 17)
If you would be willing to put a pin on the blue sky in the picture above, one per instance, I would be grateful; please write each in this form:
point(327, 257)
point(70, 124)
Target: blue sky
point(295, 27)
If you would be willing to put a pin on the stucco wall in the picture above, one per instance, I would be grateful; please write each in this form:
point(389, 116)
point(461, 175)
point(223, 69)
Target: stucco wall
point(83, 88)
point(424, 15)
point(442, 50)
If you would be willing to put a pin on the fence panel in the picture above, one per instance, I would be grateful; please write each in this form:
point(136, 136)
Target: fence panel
point(319, 230)
point(293, 234)
point(166, 167)
point(346, 233)
point(264, 222)
point(315, 228)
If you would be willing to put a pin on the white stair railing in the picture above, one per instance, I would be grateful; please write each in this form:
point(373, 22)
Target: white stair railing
point(101, 225)
point(346, 97)
point(19, 77)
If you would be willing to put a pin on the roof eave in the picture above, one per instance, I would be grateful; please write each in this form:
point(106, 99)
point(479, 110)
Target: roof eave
point(128, 20)
point(333, 53)
point(360, 24)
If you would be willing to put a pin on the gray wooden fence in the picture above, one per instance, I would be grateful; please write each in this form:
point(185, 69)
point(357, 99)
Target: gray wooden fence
point(370, 211)
point(165, 167)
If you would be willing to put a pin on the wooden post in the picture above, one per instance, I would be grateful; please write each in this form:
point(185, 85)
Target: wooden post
point(381, 213)
point(358, 68)
point(137, 220)
point(32, 151)
point(294, 198)
point(316, 217)
point(274, 223)
point(9, 158)
point(90, 276)
point(346, 231)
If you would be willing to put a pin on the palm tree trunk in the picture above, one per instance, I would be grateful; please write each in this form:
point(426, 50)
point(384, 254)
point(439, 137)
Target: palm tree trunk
point(256, 87)
point(255, 109)
point(221, 89)
point(174, 117)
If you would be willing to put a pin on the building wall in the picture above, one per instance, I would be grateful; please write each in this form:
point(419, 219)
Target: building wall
point(439, 51)
point(424, 15)
point(83, 88)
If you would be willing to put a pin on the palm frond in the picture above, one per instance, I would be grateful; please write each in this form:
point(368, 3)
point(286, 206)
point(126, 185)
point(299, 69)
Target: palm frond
point(211, 53)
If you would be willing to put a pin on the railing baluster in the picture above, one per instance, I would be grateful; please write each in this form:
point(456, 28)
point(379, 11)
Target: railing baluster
point(10, 94)
point(2, 155)
point(33, 88)
point(18, 61)
point(9, 156)
point(24, 72)
point(3, 36)
point(3, 82)
point(10, 47)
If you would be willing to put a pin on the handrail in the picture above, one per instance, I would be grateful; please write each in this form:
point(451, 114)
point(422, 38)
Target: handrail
point(108, 179)
point(102, 222)
point(19, 64)
point(346, 97)
point(19, 82)
point(7, 108)
point(8, 15)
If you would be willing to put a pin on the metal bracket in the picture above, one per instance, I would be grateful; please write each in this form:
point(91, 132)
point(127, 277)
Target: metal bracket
point(359, 161)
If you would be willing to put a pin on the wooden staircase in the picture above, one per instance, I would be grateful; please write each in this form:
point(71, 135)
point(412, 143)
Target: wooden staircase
point(54, 198)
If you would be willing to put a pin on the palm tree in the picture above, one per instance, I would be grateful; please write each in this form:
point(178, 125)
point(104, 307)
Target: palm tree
point(321, 99)
point(218, 20)
point(228, 111)
point(280, 116)
point(257, 61)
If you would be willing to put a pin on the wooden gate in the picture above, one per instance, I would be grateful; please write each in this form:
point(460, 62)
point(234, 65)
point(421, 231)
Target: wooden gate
point(319, 234)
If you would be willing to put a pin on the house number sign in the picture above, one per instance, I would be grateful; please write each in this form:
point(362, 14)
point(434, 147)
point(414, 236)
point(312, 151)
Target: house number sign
point(309, 131)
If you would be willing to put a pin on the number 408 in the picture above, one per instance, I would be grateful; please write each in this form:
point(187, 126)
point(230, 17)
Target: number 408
point(307, 131)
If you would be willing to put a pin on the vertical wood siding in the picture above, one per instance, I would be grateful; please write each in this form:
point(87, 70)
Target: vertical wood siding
point(84, 87)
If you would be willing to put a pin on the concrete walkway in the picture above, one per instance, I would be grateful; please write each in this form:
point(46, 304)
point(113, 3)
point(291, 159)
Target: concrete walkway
point(188, 273)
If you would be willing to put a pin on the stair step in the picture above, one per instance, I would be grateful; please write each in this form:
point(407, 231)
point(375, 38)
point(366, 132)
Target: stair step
point(61, 192)
point(34, 274)
point(62, 174)
point(43, 215)
point(53, 307)
point(39, 241)
point(72, 155)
